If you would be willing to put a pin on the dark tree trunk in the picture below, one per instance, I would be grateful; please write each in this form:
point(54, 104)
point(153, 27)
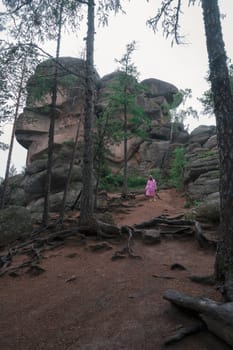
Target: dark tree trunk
point(223, 108)
point(87, 203)
point(51, 129)
point(62, 210)
point(125, 174)
point(5, 184)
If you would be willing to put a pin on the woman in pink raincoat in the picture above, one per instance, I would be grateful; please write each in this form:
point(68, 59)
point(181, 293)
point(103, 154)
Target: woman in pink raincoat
point(151, 188)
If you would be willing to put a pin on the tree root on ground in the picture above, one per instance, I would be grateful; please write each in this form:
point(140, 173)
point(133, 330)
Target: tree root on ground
point(205, 280)
point(127, 251)
point(33, 248)
point(184, 332)
point(175, 226)
point(217, 316)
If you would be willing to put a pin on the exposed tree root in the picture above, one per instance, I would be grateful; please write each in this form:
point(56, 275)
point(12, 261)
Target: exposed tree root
point(218, 317)
point(33, 248)
point(127, 251)
point(184, 332)
point(167, 221)
point(163, 277)
point(177, 226)
point(206, 280)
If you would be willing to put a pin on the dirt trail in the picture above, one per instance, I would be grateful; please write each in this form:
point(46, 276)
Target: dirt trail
point(84, 300)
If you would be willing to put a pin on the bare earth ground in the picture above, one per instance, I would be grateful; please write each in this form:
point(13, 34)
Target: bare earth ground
point(84, 300)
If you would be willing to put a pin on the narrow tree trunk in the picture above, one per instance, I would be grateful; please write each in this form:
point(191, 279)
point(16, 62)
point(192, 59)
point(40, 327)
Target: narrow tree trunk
point(5, 184)
point(99, 167)
point(51, 130)
point(125, 175)
point(86, 209)
point(99, 156)
point(62, 211)
point(223, 108)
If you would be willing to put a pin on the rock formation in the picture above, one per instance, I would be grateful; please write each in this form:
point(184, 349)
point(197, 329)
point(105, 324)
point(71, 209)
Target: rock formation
point(156, 151)
point(33, 123)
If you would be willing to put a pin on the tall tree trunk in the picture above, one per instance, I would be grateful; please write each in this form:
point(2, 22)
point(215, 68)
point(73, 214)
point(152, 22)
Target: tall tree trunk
point(62, 211)
point(52, 128)
point(223, 108)
point(87, 202)
point(5, 184)
point(125, 175)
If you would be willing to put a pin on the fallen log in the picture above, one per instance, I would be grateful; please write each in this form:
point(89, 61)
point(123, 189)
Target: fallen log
point(217, 316)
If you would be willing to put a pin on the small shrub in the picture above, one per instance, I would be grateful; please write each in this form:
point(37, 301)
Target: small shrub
point(178, 168)
point(187, 205)
point(135, 182)
point(111, 182)
point(69, 143)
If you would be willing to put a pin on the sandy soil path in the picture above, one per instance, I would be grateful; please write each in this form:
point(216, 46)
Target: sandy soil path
point(84, 300)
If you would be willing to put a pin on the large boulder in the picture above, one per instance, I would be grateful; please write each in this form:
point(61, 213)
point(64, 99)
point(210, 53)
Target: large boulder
point(202, 169)
point(156, 88)
point(33, 124)
point(36, 173)
point(15, 223)
point(202, 133)
point(55, 200)
point(209, 209)
point(202, 177)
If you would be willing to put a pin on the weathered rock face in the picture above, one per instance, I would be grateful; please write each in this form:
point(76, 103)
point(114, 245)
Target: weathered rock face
point(202, 171)
point(33, 124)
point(35, 178)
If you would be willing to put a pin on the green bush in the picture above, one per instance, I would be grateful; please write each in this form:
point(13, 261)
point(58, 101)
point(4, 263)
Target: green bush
point(178, 168)
point(110, 182)
point(136, 182)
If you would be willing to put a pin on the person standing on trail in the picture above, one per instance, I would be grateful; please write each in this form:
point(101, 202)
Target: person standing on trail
point(151, 187)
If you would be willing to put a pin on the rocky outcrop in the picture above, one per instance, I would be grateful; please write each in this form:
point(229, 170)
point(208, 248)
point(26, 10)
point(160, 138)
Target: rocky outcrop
point(202, 174)
point(202, 170)
point(33, 123)
point(35, 178)
point(154, 152)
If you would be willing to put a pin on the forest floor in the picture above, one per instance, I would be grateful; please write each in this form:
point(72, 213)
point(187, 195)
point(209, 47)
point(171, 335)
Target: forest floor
point(85, 300)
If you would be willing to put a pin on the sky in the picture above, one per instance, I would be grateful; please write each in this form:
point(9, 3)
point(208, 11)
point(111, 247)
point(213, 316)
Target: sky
point(184, 66)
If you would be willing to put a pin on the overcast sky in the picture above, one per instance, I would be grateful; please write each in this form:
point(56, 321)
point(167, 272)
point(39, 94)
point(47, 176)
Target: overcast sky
point(184, 66)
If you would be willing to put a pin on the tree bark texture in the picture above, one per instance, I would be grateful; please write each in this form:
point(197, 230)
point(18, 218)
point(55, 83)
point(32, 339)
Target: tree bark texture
point(223, 108)
point(52, 127)
point(87, 202)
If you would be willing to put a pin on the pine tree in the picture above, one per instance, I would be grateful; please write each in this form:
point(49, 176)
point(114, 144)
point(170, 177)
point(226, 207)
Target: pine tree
point(223, 109)
point(130, 117)
point(16, 65)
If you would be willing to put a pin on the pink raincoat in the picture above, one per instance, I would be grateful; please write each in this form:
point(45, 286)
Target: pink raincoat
point(151, 187)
